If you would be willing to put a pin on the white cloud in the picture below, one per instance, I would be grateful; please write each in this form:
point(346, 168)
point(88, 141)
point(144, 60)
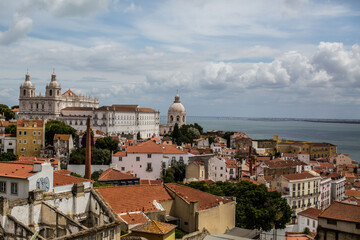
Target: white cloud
point(63, 8)
point(18, 29)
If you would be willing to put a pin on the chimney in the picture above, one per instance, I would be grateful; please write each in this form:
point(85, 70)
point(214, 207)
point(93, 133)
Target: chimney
point(88, 150)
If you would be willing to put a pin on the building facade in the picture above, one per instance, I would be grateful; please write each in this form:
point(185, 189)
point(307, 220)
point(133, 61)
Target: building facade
point(32, 106)
point(30, 137)
point(115, 119)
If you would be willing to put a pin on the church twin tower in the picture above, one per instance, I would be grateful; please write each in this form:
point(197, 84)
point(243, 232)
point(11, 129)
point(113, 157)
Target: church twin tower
point(32, 106)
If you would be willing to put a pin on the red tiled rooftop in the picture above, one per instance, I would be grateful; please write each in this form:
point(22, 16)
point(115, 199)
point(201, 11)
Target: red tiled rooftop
point(250, 180)
point(206, 200)
point(152, 147)
point(297, 176)
point(356, 184)
point(352, 193)
point(21, 122)
point(16, 170)
point(310, 213)
point(342, 212)
point(64, 137)
point(231, 163)
point(133, 198)
point(134, 218)
point(63, 179)
point(154, 227)
point(114, 174)
point(69, 93)
point(120, 154)
point(151, 182)
point(63, 171)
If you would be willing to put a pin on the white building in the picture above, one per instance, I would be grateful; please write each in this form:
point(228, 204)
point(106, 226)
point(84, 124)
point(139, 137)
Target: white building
point(148, 159)
point(8, 143)
point(17, 179)
point(176, 115)
point(337, 187)
point(32, 106)
point(308, 219)
point(325, 192)
point(115, 119)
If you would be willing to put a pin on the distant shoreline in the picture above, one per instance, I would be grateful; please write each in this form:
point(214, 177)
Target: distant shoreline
point(348, 121)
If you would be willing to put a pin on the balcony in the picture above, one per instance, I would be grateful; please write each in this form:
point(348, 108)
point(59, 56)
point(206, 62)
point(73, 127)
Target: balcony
point(149, 169)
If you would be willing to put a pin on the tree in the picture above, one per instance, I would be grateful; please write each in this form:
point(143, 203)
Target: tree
point(107, 143)
point(83, 139)
point(176, 134)
point(8, 156)
point(53, 127)
point(138, 136)
point(175, 173)
point(98, 156)
point(15, 106)
point(6, 111)
point(10, 129)
point(227, 136)
point(256, 207)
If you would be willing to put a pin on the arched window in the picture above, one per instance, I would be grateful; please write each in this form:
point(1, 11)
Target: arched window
point(58, 92)
point(178, 118)
point(171, 118)
point(183, 118)
point(50, 92)
point(24, 92)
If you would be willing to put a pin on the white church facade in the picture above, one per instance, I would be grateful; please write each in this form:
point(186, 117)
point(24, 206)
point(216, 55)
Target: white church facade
point(32, 106)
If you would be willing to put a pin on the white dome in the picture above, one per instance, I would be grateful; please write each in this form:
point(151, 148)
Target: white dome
point(177, 107)
point(53, 83)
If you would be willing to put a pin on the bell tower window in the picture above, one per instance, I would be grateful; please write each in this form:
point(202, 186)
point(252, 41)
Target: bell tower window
point(171, 118)
point(178, 118)
point(24, 92)
point(50, 92)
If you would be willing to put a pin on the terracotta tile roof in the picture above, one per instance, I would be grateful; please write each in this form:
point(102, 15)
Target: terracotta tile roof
point(356, 184)
point(114, 174)
point(351, 200)
point(250, 180)
point(7, 123)
point(342, 212)
point(133, 198)
point(134, 218)
point(263, 158)
point(33, 159)
point(311, 213)
point(63, 179)
point(63, 171)
point(69, 93)
point(327, 165)
point(64, 137)
point(154, 227)
point(231, 163)
point(206, 200)
point(297, 176)
point(151, 182)
point(152, 147)
point(120, 154)
point(21, 122)
point(352, 193)
point(16, 170)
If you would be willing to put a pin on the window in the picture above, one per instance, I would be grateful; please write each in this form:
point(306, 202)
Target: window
point(22, 149)
point(181, 160)
point(34, 133)
point(308, 222)
point(19, 140)
point(298, 186)
point(39, 141)
point(24, 133)
point(313, 223)
point(148, 168)
point(149, 155)
point(24, 141)
point(120, 159)
point(39, 133)
point(3, 187)
point(35, 149)
point(20, 133)
point(137, 158)
point(14, 188)
point(34, 141)
point(122, 168)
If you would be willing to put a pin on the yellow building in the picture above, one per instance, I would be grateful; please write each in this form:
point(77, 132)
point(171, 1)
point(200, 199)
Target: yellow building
point(154, 230)
point(316, 150)
point(30, 137)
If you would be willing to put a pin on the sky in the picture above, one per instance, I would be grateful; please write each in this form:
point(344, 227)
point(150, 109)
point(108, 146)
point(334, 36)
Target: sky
point(238, 58)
